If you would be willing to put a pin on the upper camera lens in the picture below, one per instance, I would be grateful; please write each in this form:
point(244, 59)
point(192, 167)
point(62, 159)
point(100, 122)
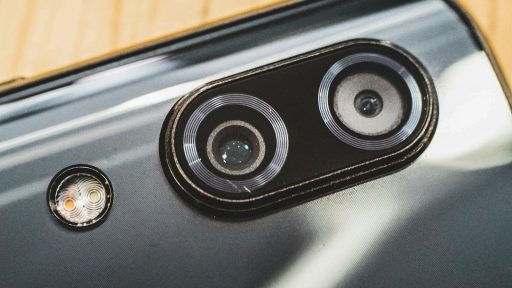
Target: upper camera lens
point(235, 148)
point(368, 103)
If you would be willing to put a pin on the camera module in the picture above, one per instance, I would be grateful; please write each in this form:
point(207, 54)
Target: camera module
point(298, 129)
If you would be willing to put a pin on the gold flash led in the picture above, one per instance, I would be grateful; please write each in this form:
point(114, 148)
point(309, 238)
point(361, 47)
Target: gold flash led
point(80, 196)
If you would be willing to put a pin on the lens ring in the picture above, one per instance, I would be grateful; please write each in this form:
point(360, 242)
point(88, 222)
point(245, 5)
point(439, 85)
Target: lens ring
point(256, 135)
point(227, 185)
point(340, 132)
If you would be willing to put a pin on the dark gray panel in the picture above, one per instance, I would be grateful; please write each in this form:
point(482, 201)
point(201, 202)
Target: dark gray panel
point(441, 222)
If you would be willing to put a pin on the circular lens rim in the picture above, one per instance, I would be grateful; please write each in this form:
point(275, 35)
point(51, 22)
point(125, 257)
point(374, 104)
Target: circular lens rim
point(75, 170)
point(195, 163)
point(345, 135)
point(222, 168)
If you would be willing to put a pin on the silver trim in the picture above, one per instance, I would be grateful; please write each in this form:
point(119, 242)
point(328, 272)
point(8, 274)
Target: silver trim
point(226, 185)
point(345, 136)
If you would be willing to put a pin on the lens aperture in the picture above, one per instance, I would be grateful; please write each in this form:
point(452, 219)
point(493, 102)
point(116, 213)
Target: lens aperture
point(368, 103)
point(235, 151)
point(235, 148)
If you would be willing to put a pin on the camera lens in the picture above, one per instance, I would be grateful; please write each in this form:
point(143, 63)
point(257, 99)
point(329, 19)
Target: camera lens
point(235, 148)
point(237, 158)
point(368, 103)
point(235, 151)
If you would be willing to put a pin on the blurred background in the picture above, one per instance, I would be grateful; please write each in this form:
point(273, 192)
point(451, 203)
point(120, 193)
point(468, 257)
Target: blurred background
point(37, 36)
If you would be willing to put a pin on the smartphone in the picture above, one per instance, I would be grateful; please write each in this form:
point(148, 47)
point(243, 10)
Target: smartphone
point(318, 144)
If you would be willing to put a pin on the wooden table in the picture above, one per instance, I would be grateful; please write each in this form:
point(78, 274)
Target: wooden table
point(41, 35)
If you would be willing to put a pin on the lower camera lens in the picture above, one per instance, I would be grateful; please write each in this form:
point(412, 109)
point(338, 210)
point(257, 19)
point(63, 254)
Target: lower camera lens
point(235, 148)
point(238, 158)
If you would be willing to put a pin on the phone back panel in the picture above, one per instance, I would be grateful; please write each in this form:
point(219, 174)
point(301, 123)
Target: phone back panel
point(444, 221)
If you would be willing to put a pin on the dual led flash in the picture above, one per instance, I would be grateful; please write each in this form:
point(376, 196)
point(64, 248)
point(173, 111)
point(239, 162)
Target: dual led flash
point(80, 196)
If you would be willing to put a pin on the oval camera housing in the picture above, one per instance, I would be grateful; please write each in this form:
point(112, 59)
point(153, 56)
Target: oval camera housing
point(300, 128)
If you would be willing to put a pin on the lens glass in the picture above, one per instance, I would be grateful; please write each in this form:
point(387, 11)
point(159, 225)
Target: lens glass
point(368, 103)
point(235, 150)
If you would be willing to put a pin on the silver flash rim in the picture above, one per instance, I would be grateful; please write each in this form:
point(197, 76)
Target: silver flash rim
point(344, 135)
point(235, 186)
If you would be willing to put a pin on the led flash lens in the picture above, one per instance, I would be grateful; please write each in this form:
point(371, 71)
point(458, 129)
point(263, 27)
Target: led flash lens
point(69, 204)
point(94, 197)
point(79, 197)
